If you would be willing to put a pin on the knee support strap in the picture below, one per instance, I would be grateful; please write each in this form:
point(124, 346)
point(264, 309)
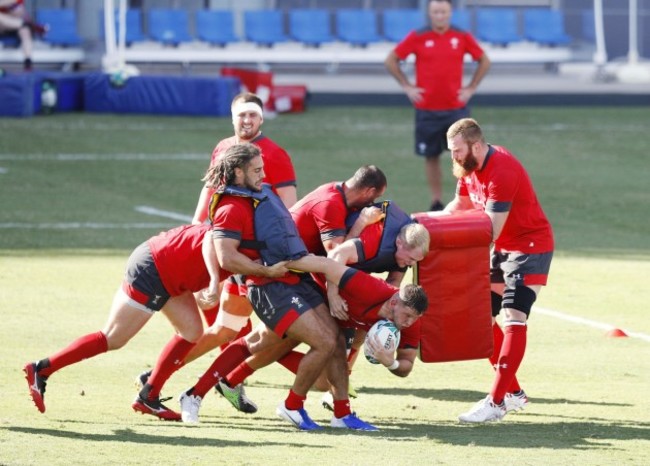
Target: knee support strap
point(496, 303)
point(231, 321)
point(520, 299)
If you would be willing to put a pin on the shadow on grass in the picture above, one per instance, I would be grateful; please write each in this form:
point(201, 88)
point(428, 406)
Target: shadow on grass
point(584, 434)
point(574, 433)
point(132, 436)
point(447, 394)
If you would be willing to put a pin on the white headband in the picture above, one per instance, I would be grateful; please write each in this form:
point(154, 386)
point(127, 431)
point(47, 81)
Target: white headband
point(243, 107)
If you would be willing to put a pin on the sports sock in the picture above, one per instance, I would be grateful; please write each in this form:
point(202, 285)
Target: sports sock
point(239, 374)
point(291, 360)
point(294, 401)
point(351, 354)
point(342, 408)
point(498, 342)
point(82, 348)
point(231, 357)
point(512, 353)
point(171, 359)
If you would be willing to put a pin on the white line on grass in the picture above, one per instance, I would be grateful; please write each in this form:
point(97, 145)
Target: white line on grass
point(145, 209)
point(588, 322)
point(102, 157)
point(80, 225)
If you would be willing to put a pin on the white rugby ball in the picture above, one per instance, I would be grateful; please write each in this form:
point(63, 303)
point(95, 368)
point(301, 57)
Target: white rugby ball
point(387, 333)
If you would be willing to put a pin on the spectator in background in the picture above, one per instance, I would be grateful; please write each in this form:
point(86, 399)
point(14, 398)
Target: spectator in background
point(438, 94)
point(13, 18)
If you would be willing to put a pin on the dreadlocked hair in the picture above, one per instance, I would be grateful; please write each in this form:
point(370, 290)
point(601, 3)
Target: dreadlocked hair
point(223, 172)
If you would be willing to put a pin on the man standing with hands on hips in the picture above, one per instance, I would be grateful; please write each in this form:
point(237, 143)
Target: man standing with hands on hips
point(438, 94)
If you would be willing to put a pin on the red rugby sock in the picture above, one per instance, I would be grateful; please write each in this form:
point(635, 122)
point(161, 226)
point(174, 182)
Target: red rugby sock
point(239, 374)
point(294, 401)
point(291, 360)
point(82, 348)
point(342, 408)
point(231, 357)
point(512, 353)
point(498, 342)
point(171, 359)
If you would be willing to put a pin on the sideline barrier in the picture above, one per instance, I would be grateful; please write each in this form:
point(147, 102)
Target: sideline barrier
point(160, 95)
point(27, 94)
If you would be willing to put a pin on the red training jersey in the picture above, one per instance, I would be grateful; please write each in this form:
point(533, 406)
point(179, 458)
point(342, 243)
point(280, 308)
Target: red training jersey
point(278, 168)
point(503, 185)
point(439, 64)
point(320, 216)
point(178, 256)
point(365, 296)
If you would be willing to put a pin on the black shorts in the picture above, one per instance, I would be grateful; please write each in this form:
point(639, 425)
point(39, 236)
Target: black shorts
point(278, 305)
point(517, 269)
point(431, 129)
point(142, 282)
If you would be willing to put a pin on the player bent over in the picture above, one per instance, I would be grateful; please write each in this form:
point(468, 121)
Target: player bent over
point(161, 275)
point(249, 223)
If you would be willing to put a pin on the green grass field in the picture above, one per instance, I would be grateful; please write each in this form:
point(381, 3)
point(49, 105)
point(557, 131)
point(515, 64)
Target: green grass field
point(69, 186)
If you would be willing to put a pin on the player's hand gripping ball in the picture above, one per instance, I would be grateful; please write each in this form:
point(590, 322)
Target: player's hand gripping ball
point(387, 334)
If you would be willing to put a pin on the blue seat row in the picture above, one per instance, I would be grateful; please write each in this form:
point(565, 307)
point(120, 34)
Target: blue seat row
point(500, 26)
point(497, 25)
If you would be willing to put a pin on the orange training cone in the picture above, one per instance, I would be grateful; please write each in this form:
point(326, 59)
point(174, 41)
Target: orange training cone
point(616, 333)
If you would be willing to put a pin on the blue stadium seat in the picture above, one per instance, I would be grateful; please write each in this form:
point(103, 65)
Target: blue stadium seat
point(216, 26)
point(357, 27)
point(461, 19)
point(310, 26)
point(398, 23)
point(169, 26)
point(497, 25)
point(62, 24)
point(133, 26)
point(545, 26)
point(264, 27)
point(588, 26)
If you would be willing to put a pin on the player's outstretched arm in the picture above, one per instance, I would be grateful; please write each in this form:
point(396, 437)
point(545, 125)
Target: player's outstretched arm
point(229, 258)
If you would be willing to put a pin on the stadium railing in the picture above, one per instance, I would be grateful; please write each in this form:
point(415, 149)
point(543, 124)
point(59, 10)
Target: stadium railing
point(134, 31)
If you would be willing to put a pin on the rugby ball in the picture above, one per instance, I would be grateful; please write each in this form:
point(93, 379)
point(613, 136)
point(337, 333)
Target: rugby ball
point(388, 335)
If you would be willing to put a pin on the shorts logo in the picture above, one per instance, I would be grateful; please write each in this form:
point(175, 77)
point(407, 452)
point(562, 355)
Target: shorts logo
point(422, 147)
point(296, 302)
point(155, 299)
